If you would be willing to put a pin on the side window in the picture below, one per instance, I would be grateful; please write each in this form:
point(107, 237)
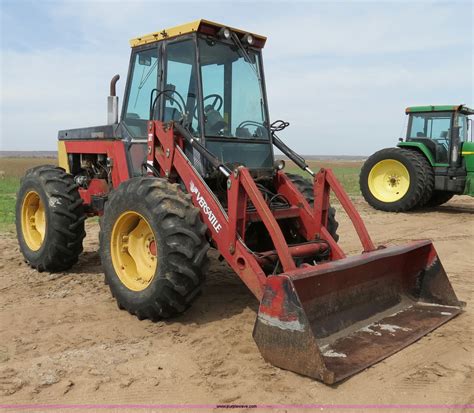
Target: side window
point(180, 85)
point(440, 128)
point(144, 80)
point(417, 127)
point(433, 125)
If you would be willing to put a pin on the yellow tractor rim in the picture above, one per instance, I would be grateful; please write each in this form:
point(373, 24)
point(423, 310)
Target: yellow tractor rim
point(134, 251)
point(33, 220)
point(389, 180)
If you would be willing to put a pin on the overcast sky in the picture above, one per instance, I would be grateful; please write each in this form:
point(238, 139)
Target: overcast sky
point(341, 72)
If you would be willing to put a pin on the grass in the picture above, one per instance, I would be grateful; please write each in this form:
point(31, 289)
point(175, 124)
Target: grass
point(347, 172)
point(12, 169)
point(8, 188)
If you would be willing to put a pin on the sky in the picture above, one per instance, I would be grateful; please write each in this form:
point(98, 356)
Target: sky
point(341, 72)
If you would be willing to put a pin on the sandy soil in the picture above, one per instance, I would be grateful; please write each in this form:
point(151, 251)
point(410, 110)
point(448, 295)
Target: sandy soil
point(63, 339)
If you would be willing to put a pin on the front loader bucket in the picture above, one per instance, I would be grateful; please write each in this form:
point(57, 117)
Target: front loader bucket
point(333, 320)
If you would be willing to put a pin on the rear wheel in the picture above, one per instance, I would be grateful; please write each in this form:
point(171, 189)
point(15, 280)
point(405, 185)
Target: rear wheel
point(396, 180)
point(49, 219)
point(439, 198)
point(306, 188)
point(153, 248)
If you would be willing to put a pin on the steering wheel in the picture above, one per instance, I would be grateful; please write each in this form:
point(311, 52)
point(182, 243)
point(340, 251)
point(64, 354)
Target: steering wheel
point(250, 123)
point(216, 103)
point(259, 132)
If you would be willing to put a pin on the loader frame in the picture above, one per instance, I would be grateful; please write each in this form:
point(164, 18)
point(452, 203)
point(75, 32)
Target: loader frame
point(227, 227)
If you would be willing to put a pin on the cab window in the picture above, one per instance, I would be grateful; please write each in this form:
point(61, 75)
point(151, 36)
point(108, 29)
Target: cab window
point(180, 88)
point(430, 125)
point(433, 129)
point(462, 123)
point(143, 83)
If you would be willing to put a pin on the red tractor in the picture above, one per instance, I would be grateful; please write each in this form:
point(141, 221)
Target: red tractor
point(191, 166)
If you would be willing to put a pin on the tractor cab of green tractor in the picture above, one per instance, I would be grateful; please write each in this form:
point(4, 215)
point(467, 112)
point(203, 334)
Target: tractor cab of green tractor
point(209, 78)
point(432, 164)
point(440, 129)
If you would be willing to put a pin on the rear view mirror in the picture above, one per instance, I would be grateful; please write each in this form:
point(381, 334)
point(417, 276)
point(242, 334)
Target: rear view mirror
point(144, 60)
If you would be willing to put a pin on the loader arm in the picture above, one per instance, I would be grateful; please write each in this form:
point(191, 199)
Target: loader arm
point(227, 226)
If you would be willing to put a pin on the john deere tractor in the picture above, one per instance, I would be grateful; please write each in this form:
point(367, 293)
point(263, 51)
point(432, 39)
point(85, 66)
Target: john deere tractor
point(432, 164)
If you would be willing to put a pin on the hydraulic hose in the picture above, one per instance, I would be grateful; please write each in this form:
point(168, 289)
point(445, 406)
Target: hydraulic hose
point(215, 162)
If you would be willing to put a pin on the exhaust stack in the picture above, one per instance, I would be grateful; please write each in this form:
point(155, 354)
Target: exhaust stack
point(112, 102)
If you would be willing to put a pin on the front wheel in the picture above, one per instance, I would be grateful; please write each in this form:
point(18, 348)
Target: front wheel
point(396, 180)
point(153, 248)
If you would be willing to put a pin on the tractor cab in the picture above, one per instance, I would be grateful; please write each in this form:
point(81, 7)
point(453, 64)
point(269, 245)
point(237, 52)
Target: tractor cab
point(441, 129)
point(208, 77)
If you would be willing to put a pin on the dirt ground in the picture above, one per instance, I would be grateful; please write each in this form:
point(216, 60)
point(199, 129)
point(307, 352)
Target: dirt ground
point(63, 339)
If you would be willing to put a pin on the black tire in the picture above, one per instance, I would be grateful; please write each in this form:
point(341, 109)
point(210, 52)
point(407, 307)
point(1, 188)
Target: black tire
point(181, 247)
point(439, 198)
point(64, 218)
point(429, 180)
point(306, 188)
point(421, 179)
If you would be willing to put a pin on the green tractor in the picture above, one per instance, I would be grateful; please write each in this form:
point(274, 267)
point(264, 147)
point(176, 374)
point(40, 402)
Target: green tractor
point(434, 162)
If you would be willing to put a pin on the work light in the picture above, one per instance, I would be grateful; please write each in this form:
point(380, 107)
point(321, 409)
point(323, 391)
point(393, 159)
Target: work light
point(248, 38)
point(224, 33)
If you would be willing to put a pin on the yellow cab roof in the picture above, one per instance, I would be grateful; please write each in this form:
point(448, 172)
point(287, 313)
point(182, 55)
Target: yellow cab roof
point(200, 25)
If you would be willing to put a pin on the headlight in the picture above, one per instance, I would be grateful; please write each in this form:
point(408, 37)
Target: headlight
point(248, 38)
point(224, 33)
point(279, 164)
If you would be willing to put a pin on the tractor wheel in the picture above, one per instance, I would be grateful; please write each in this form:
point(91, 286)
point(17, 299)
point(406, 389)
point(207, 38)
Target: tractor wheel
point(49, 219)
point(429, 179)
point(153, 248)
point(306, 188)
point(439, 198)
point(396, 180)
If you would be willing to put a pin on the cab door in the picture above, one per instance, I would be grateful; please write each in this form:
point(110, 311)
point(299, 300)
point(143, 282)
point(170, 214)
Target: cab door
point(141, 90)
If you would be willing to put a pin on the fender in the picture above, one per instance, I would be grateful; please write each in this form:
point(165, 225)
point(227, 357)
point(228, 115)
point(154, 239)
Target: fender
point(418, 146)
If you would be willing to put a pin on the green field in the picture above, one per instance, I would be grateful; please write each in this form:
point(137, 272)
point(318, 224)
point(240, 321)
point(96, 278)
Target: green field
point(13, 168)
point(346, 171)
point(8, 188)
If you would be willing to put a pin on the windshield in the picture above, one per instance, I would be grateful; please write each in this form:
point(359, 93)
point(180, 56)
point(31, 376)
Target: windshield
point(232, 94)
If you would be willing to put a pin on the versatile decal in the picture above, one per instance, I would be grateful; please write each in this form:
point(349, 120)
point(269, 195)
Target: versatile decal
point(205, 208)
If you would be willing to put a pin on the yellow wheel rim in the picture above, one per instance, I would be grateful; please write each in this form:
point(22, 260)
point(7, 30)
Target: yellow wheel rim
point(33, 221)
point(133, 249)
point(389, 180)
